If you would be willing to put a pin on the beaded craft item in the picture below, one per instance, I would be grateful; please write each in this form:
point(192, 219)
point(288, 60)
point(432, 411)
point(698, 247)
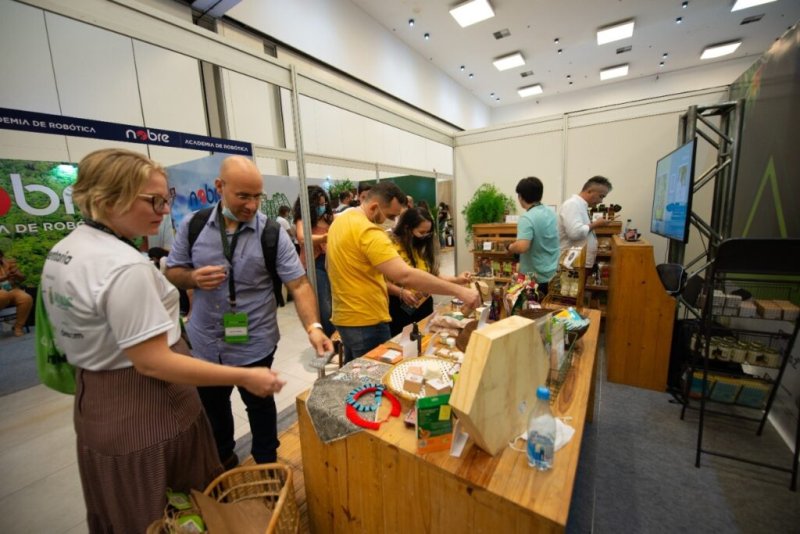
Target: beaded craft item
point(354, 408)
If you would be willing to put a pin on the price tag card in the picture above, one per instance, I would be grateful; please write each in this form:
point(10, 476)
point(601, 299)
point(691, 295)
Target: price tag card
point(487, 245)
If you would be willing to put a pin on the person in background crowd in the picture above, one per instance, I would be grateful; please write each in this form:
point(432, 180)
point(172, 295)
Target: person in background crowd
point(283, 220)
point(12, 295)
point(424, 205)
point(361, 257)
point(363, 189)
point(574, 227)
point(140, 426)
point(537, 234)
point(321, 219)
point(158, 256)
point(442, 221)
point(345, 197)
point(413, 239)
point(234, 311)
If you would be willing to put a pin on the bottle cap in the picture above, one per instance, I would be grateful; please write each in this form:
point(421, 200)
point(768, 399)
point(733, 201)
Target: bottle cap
point(543, 392)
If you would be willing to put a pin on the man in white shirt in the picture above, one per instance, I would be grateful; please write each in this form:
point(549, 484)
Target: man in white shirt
point(574, 227)
point(283, 213)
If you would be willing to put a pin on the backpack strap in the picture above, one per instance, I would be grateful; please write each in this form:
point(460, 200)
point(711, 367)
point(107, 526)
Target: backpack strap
point(196, 224)
point(269, 247)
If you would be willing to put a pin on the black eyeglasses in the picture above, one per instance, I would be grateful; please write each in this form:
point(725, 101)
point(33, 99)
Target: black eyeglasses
point(157, 201)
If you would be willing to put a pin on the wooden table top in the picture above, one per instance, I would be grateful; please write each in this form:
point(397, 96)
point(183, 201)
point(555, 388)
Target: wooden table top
point(507, 475)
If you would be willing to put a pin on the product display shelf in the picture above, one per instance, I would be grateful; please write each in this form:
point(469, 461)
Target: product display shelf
point(752, 266)
point(497, 236)
point(596, 290)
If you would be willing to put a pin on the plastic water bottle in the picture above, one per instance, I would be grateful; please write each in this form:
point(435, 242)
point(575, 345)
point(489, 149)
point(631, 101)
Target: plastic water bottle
point(541, 432)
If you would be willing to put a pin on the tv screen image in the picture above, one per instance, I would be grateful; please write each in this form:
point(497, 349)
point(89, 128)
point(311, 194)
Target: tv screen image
point(672, 196)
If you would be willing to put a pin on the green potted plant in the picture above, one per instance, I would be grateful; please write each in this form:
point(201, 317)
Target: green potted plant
point(487, 205)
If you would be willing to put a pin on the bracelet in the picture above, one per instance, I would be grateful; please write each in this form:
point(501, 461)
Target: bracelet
point(312, 326)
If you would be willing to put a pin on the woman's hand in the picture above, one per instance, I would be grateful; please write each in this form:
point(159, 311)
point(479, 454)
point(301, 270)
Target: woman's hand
point(409, 297)
point(464, 278)
point(262, 382)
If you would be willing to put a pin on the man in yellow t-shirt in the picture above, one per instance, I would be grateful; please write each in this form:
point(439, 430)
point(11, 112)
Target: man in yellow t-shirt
point(360, 254)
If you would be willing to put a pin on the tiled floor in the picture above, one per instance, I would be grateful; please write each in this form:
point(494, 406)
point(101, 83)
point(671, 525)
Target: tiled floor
point(41, 491)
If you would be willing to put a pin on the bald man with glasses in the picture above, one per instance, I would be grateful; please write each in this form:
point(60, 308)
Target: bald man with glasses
point(234, 312)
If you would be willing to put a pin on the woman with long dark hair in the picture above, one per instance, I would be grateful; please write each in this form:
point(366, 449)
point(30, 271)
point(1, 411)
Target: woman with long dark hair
point(415, 242)
point(321, 219)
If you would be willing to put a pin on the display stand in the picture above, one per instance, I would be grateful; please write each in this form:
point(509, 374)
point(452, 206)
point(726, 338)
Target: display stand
point(640, 318)
point(768, 269)
point(489, 246)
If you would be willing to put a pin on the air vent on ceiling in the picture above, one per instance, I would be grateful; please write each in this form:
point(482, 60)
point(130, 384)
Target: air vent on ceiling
point(623, 49)
point(754, 18)
point(501, 34)
point(526, 73)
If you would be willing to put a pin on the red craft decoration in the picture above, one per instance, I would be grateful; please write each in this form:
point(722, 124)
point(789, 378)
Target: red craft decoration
point(356, 419)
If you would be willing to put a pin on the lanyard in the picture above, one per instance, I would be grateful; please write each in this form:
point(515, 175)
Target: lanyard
point(103, 228)
point(228, 248)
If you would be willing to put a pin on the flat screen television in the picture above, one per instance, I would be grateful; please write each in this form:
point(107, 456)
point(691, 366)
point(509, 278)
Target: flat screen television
point(672, 196)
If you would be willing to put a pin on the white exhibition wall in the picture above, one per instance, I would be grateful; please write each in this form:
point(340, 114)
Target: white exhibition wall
point(621, 143)
point(77, 69)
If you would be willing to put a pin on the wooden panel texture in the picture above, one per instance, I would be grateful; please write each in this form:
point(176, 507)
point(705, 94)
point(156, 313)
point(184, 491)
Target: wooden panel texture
point(640, 318)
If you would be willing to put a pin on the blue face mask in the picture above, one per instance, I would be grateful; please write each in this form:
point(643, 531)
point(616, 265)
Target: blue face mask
point(229, 214)
point(321, 210)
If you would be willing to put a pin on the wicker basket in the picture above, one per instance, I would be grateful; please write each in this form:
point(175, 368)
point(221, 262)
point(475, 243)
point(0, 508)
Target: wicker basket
point(271, 484)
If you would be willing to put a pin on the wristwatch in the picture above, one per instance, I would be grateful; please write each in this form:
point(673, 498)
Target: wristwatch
point(312, 326)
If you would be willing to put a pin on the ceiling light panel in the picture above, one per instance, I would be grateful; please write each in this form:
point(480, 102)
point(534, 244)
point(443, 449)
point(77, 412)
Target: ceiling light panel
point(530, 90)
point(719, 50)
point(614, 72)
point(472, 12)
point(509, 62)
point(615, 32)
point(744, 4)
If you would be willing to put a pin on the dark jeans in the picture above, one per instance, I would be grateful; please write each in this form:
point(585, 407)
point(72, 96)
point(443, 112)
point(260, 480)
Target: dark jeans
point(261, 412)
point(324, 296)
point(359, 340)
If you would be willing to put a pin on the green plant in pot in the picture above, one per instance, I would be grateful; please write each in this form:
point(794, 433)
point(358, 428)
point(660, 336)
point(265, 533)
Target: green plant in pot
point(487, 205)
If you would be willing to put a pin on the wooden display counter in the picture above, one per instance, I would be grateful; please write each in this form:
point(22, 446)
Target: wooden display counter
point(373, 481)
point(640, 318)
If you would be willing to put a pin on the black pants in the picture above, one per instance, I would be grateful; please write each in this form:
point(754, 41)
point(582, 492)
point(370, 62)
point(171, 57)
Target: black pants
point(261, 412)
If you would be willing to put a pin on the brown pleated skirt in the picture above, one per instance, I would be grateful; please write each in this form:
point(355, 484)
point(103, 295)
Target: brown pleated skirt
point(138, 436)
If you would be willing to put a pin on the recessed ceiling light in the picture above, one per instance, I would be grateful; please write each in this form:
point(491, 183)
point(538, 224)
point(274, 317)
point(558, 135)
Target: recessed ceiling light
point(560, 50)
point(665, 55)
point(661, 64)
point(491, 94)
point(615, 32)
point(614, 72)
point(472, 12)
point(678, 20)
point(530, 90)
point(684, 5)
point(569, 76)
point(555, 40)
point(744, 4)
point(509, 62)
point(570, 83)
point(410, 23)
point(718, 50)
point(461, 68)
point(427, 36)
point(471, 75)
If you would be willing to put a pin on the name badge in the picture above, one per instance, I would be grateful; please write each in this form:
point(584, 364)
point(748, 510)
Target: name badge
point(235, 325)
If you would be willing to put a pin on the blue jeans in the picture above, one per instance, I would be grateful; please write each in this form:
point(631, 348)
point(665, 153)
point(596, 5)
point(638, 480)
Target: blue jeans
point(261, 411)
point(359, 340)
point(324, 296)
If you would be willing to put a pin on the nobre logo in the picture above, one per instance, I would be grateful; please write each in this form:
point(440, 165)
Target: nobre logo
point(147, 135)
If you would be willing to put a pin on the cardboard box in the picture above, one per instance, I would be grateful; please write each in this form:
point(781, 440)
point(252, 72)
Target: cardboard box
point(789, 311)
point(434, 424)
point(768, 309)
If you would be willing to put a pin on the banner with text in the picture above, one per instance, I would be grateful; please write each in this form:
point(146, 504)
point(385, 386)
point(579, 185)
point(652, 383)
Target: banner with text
point(28, 121)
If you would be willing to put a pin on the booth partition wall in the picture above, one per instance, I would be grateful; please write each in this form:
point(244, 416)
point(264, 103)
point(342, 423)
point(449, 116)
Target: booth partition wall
point(137, 66)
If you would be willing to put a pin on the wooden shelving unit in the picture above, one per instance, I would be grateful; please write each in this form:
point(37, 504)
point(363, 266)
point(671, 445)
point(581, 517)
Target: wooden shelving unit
point(499, 235)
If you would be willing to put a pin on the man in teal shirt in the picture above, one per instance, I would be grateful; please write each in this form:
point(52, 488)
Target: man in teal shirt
point(537, 234)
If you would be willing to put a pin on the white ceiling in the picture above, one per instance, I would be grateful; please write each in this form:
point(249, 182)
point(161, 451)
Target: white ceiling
point(535, 24)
